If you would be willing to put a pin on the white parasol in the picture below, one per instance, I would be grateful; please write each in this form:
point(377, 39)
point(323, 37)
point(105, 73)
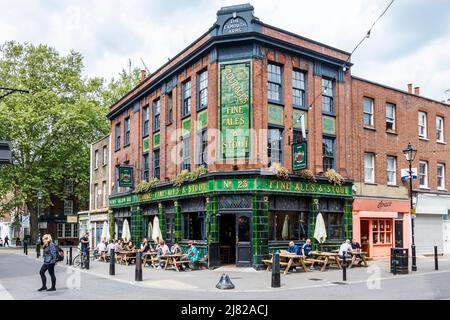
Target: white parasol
point(156, 232)
point(285, 231)
point(320, 231)
point(126, 234)
point(105, 232)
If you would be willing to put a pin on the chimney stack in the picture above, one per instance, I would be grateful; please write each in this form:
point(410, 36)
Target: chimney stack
point(410, 87)
point(143, 75)
point(417, 91)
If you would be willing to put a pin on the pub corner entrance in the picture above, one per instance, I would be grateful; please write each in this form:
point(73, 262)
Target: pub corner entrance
point(235, 239)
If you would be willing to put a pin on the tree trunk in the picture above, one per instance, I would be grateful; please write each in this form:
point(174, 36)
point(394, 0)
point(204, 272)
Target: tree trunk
point(33, 223)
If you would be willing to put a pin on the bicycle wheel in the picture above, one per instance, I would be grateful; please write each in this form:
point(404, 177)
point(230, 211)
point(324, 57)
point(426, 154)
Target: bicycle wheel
point(77, 261)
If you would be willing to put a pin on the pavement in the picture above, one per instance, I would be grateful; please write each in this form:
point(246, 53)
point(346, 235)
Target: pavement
point(19, 279)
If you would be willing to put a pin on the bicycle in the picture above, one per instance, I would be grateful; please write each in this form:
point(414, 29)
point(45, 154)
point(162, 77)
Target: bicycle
point(80, 259)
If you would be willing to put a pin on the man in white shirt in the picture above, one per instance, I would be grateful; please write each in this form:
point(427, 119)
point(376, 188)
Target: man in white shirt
point(345, 248)
point(101, 249)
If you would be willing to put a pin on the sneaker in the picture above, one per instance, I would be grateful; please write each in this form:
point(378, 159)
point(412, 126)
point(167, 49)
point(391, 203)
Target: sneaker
point(42, 289)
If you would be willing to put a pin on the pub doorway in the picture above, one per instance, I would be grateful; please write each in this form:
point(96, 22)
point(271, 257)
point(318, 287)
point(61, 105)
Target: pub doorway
point(227, 239)
point(365, 237)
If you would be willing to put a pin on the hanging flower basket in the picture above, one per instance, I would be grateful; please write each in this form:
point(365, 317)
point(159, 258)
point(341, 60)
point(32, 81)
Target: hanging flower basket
point(334, 177)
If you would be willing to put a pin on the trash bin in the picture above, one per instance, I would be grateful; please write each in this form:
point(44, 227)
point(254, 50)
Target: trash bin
point(399, 257)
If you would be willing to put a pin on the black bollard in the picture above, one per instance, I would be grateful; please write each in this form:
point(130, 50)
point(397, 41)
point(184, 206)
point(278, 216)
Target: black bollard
point(112, 261)
point(38, 251)
point(138, 271)
point(67, 257)
point(395, 262)
point(25, 247)
point(276, 270)
point(70, 256)
point(436, 262)
point(344, 268)
point(225, 283)
point(87, 259)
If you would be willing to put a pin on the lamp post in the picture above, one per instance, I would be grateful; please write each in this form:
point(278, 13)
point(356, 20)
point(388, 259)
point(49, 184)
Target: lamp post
point(410, 155)
point(39, 196)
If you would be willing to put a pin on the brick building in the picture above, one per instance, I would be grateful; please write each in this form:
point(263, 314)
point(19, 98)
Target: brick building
point(245, 98)
point(386, 121)
point(95, 220)
point(235, 101)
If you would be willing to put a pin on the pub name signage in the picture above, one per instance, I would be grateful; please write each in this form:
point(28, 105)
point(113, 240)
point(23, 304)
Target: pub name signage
point(233, 185)
point(235, 25)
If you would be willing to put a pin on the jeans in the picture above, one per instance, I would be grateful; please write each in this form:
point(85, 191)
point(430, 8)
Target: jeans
point(51, 271)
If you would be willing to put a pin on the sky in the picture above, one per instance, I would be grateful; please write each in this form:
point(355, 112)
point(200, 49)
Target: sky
point(410, 44)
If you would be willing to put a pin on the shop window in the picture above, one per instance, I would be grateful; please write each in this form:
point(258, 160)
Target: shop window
point(288, 226)
point(333, 215)
point(382, 231)
point(194, 226)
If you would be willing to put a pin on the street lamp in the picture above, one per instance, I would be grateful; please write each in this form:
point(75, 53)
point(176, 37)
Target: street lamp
point(39, 196)
point(410, 155)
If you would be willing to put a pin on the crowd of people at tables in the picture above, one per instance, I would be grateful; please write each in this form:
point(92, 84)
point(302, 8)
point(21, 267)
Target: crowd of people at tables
point(162, 250)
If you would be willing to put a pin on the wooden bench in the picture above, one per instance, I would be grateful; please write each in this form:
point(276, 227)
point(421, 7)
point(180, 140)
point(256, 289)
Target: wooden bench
point(268, 263)
point(151, 260)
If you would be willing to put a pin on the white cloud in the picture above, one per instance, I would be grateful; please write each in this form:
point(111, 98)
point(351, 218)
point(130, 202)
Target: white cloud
point(410, 44)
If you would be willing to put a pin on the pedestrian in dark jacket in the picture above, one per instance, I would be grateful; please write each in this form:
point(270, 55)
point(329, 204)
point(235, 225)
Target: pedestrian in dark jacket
point(6, 241)
point(50, 255)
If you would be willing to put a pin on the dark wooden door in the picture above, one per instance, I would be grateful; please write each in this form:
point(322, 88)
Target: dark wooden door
point(243, 239)
point(399, 234)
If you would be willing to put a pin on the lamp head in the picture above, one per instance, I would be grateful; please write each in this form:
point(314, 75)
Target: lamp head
point(410, 153)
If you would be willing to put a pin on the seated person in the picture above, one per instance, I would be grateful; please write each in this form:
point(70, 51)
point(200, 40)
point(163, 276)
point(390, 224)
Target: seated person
point(356, 245)
point(306, 251)
point(191, 255)
point(292, 248)
point(131, 246)
point(110, 246)
point(163, 250)
point(345, 248)
point(119, 246)
point(175, 249)
point(100, 250)
point(145, 246)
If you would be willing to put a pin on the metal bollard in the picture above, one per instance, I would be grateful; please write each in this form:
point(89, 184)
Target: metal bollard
point(70, 256)
point(344, 268)
point(276, 270)
point(395, 262)
point(112, 261)
point(436, 262)
point(25, 247)
point(87, 259)
point(138, 271)
point(67, 257)
point(38, 251)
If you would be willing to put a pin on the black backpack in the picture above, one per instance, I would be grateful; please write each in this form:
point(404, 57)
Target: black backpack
point(60, 254)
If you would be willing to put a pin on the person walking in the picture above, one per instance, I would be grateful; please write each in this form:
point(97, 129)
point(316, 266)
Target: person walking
point(50, 255)
point(6, 241)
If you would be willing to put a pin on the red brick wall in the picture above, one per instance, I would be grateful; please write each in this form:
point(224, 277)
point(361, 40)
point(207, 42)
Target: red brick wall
point(383, 144)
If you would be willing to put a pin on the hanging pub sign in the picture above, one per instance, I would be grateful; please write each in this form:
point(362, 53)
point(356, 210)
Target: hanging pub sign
point(125, 177)
point(299, 156)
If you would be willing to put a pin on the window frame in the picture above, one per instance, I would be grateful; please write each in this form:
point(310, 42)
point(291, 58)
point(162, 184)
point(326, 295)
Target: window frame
point(394, 183)
point(440, 132)
point(202, 147)
point(96, 158)
point(145, 167)
point(333, 140)
point(392, 119)
point(68, 209)
point(186, 99)
point(424, 125)
point(95, 196)
point(127, 132)
point(384, 232)
point(367, 168)
point(441, 186)
point(156, 115)
point(270, 149)
point(104, 195)
point(303, 91)
point(273, 225)
point(200, 215)
point(156, 163)
point(186, 145)
point(105, 155)
point(145, 121)
point(118, 132)
point(425, 175)
point(331, 97)
point(371, 113)
point(270, 81)
point(200, 90)
point(169, 115)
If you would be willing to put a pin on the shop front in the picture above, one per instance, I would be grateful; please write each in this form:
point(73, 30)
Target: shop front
point(379, 225)
point(98, 221)
point(239, 220)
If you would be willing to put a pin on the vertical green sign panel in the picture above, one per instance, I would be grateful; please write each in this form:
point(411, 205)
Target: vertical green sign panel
point(146, 143)
point(299, 156)
point(329, 125)
point(235, 110)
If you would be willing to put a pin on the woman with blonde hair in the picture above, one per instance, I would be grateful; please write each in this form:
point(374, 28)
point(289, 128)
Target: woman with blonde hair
point(50, 255)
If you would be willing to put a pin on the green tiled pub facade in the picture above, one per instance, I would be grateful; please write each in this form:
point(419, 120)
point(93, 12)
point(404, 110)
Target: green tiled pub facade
point(239, 219)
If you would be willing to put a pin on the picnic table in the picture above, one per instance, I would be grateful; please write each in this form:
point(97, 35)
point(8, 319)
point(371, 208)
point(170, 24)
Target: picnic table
point(325, 259)
point(357, 256)
point(174, 260)
point(125, 257)
point(150, 258)
point(288, 260)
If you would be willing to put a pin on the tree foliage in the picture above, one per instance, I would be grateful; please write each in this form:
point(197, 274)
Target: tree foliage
point(51, 128)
